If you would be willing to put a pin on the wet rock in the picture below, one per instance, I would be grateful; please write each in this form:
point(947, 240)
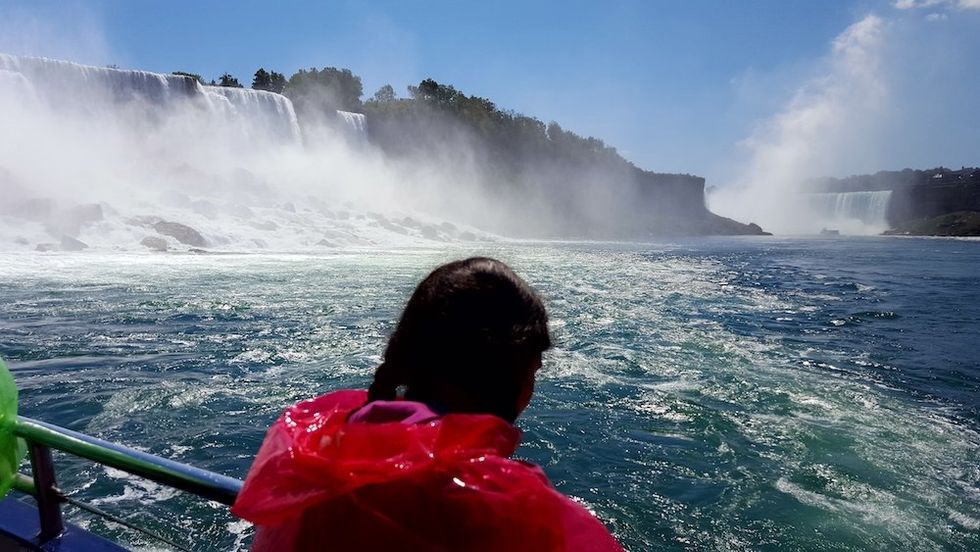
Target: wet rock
point(155, 243)
point(181, 232)
point(69, 243)
point(143, 220)
point(240, 211)
point(71, 221)
point(266, 225)
point(39, 208)
point(204, 207)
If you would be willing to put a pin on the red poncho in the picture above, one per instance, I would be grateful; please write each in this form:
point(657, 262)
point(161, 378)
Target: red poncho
point(447, 484)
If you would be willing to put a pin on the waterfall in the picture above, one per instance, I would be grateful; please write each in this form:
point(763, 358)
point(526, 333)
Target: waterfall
point(102, 90)
point(273, 110)
point(63, 83)
point(858, 212)
point(355, 123)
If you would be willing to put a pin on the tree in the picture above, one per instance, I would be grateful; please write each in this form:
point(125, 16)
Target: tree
point(191, 75)
point(262, 80)
point(385, 94)
point(268, 80)
point(229, 81)
point(324, 91)
point(277, 82)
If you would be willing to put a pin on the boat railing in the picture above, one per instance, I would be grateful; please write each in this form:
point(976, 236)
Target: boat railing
point(42, 437)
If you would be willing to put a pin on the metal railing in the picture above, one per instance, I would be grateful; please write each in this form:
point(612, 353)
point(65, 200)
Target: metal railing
point(41, 437)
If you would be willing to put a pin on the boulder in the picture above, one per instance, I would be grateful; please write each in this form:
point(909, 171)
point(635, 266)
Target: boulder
point(430, 233)
point(71, 221)
point(266, 225)
point(204, 207)
point(155, 243)
point(69, 243)
point(37, 209)
point(181, 232)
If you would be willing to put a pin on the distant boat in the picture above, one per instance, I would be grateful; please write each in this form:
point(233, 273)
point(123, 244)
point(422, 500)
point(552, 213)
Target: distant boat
point(829, 232)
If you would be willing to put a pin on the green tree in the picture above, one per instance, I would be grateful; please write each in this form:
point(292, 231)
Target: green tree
point(191, 75)
point(385, 94)
point(323, 91)
point(229, 81)
point(262, 80)
point(277, 82)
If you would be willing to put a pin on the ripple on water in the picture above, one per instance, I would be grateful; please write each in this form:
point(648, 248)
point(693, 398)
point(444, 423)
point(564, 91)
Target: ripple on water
point(701, 395)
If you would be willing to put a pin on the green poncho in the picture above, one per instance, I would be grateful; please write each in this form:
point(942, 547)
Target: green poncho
point(11, 448)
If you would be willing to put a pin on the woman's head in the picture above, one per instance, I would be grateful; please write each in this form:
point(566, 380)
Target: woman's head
point(469, 340)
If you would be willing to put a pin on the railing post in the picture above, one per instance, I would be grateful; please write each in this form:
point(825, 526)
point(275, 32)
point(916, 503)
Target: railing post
point(48, 497)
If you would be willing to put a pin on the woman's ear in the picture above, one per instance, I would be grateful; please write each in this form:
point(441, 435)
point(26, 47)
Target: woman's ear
point(527, 385)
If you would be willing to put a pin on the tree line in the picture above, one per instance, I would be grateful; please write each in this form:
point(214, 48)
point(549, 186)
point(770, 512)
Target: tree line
point(318, 93)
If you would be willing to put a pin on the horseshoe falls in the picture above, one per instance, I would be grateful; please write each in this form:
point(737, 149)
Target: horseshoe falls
point(852, 212)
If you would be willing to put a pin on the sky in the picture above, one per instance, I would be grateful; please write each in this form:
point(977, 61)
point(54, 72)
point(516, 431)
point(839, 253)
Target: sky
point(709, 88)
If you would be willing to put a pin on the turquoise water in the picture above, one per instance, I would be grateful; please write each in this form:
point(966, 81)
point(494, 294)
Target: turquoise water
point(727, 394)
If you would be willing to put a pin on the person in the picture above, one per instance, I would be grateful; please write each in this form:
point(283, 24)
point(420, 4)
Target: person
point(422, 459)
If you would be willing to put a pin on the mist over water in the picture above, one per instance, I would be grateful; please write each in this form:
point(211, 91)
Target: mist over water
point(882, 97)
point(102, 155)
point(829, 123)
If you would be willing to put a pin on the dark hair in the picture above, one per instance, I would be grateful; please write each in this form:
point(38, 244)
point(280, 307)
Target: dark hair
point(473, 325)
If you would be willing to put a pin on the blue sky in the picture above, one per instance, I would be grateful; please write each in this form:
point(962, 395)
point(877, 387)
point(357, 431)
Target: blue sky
point(676, 86)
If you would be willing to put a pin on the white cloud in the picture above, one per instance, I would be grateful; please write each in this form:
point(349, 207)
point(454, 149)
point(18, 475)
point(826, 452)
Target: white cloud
point(914, 4)
point(917, 4)
point(937, 17)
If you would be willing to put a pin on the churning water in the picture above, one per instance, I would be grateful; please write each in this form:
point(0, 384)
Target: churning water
point(729, 394)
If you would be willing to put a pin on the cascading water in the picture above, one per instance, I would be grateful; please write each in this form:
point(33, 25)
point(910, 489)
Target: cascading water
point(355, 123)
point(84, 88)
point(853, 212)
point(275, 111)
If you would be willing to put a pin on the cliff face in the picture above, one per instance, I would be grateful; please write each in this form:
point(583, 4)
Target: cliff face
point(933, 199)
point(676, 205)
point(542, 181)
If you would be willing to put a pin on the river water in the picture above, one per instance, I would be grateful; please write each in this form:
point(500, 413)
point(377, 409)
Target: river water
point(720, 394)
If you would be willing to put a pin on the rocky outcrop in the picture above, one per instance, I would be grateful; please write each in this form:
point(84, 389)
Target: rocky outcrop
point(71, 221)
point(181, 232)
point(69, 243)
point(56, 219)
point(155, 243)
